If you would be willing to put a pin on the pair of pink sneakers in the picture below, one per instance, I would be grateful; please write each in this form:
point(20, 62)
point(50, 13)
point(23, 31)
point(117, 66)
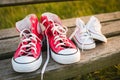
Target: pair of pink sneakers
point(28, 56)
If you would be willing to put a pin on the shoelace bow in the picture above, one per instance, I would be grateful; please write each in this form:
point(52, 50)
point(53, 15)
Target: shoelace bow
point(61, 37)
point(30, 45)
point(85, 34)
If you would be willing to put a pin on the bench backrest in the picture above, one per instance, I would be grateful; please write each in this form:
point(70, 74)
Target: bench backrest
point(4, 3)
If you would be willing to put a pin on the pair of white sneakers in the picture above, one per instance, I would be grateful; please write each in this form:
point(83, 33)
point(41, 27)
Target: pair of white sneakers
point(85, 35)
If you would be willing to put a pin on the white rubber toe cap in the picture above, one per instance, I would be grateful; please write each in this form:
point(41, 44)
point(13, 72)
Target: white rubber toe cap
point(24, 59)
point(68, 51)
point(67, 56)
point(26, 64)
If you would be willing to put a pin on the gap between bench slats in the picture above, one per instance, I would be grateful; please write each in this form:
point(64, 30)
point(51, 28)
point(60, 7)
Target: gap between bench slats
point(102, 56)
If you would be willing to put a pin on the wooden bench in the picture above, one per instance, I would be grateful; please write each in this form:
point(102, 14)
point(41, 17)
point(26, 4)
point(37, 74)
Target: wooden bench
point(104, 55)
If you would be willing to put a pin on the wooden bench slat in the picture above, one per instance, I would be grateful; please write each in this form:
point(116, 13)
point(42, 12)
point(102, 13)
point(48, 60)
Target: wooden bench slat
point(10, 45)
point(7, 33)
point(103, 55)
point(102, 17)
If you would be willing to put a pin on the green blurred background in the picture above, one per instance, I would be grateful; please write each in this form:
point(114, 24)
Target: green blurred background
point(9, 15)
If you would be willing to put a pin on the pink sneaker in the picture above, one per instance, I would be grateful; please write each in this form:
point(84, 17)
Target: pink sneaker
point(62, 49)
point(28, 57)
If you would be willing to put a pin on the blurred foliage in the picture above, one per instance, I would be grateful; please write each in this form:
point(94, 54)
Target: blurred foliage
point(110, 73)
point(9, 15)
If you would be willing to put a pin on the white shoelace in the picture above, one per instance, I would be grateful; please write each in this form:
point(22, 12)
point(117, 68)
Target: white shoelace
point(62, 36)
point(27, 37)
point(84, 34)
point(61, 30)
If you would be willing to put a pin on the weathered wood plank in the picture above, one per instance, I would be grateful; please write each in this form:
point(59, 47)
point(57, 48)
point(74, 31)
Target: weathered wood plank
point(10, 45)
point(8, 33)
point(103, 55)
point(106, 17)
point(4, 3)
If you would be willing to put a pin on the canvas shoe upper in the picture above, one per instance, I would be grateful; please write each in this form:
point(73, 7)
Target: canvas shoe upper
point(27, 57)
point(62, 49)
point(94, 27)
point(81, 36)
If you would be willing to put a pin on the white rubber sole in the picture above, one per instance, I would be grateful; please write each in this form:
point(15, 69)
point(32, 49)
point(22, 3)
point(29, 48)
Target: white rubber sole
point(99, 37)
point(26, 67)
point(86, 46)
point(66, 59)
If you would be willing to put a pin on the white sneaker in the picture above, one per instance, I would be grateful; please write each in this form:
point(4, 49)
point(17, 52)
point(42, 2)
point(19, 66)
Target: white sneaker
point(94, 28)
point(82, 37)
